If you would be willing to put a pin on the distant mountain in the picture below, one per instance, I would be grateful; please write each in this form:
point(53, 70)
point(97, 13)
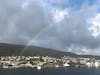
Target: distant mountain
point(12, 49)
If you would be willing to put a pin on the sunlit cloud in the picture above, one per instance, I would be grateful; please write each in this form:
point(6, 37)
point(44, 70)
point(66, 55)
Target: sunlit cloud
point(95, 28)
point(59, 15)
point(25, 4)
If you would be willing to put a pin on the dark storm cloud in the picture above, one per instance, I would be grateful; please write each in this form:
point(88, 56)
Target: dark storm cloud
point(21, 23)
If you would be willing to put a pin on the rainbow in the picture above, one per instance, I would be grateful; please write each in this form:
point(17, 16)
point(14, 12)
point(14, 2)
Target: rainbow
point(34, 38)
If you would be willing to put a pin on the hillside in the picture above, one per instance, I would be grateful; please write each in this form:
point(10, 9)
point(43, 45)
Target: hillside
point(12, 49)
point(9, 49)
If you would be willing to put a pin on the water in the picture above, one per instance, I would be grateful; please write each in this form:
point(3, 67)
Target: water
point(53, 71)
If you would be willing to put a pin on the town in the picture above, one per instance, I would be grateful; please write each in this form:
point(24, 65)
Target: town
point(40, 62)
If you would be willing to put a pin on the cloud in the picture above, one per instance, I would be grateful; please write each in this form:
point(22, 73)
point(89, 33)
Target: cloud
point(72, 31)
point(16, 22)
point(95, 28)
point(59, 15)
point(58, 2)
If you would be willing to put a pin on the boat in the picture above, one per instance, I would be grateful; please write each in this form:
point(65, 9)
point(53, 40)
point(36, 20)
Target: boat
point(38, 67)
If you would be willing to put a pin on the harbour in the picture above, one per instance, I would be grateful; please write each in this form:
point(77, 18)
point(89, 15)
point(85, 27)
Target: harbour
point(41, 62)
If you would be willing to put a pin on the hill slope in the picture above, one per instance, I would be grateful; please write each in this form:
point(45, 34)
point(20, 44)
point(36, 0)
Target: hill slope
point(9, 49)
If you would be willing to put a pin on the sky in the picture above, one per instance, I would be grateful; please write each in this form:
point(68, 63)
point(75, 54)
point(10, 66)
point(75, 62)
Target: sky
point(65, 25)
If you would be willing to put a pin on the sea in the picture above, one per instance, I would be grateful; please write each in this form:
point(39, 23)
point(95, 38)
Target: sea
point(51, 71)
